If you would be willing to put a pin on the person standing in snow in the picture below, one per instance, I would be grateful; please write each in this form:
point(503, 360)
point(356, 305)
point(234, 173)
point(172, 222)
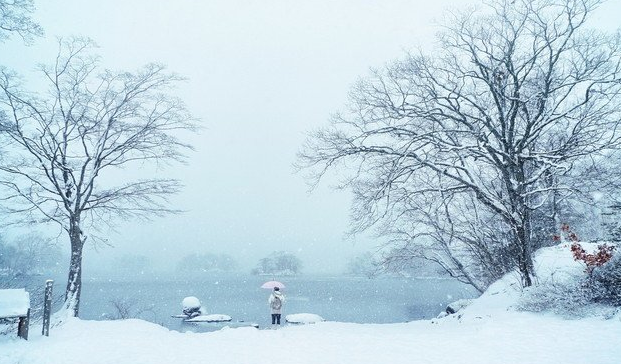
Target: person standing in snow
point(276, 300)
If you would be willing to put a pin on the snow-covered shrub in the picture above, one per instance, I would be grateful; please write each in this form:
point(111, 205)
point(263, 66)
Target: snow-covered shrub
point(603, 268)
point(592, 260)
point(605, 282)
point(596, 290)
point(568, 298)
point(602, 256)
point(127, 308)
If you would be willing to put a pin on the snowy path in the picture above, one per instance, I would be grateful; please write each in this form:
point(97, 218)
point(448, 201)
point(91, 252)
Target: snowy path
point(518, 338)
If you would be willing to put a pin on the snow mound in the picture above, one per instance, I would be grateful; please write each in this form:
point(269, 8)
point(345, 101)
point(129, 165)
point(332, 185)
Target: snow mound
point(210, 318)
point(303, 318)
point(552, 264)
point(557, 262)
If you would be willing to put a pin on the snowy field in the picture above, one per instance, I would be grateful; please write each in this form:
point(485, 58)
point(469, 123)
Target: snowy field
point(487, 331)
point(510, 338)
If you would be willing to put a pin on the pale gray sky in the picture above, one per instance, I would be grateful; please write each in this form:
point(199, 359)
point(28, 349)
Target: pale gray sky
point(260, 75)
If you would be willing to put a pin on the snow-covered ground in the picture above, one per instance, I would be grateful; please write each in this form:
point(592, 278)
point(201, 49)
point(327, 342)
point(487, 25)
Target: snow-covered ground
point(487, 331)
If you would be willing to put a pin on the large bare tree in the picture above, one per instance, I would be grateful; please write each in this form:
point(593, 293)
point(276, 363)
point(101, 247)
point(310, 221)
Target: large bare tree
point(15, 19)
point(465, 241)
point(515, 96)
point(62, 146)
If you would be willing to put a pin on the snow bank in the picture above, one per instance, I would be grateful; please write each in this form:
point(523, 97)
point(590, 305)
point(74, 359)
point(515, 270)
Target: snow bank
point(516, 339)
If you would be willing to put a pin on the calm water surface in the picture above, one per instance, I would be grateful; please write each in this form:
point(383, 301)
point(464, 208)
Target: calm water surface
point(345, 299)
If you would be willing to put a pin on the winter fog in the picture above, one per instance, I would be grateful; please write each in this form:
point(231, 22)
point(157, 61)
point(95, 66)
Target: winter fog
point(390, 181)
point(260, 75)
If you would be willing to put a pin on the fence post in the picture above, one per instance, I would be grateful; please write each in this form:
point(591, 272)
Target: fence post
point(47, 307)
point(22, 328)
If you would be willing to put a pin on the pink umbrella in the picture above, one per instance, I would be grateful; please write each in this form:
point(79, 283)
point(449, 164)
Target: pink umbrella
point(272, 284)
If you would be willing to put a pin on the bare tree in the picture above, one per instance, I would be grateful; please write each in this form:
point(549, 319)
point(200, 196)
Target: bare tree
point(61, 145)
point(125, 309)
point(464, 241)
point(517, 93)
point(15, 18)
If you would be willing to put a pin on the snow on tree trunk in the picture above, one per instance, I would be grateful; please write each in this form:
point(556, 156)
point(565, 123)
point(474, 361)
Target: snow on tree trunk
point(74, 281)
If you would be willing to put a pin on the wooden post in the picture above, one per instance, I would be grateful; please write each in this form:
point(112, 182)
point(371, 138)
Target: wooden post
point(22, 328)
point(47, 307)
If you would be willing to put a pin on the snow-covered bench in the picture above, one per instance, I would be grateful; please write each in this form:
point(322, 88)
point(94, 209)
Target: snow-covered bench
point(15, 304)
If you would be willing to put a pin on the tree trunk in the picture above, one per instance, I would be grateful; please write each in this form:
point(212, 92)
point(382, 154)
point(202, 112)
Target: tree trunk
point(522, 226)
point(74, 281)
point(525, 259)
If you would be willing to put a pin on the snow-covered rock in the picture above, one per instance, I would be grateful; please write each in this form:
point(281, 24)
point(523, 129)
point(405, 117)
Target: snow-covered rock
point(458, 305)
point(303, 318)
point(210, 318)
point(192, 307)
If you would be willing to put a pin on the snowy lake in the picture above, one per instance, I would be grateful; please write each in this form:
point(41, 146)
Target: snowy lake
point(346, 299)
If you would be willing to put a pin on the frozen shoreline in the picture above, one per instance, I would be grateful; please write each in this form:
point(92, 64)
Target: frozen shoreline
point(489, 331)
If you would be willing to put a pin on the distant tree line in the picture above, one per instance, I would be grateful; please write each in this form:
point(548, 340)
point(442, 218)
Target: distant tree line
point(278, 263)
point(28, 255)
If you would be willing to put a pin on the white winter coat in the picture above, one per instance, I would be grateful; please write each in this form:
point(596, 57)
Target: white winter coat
point(271, 299)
